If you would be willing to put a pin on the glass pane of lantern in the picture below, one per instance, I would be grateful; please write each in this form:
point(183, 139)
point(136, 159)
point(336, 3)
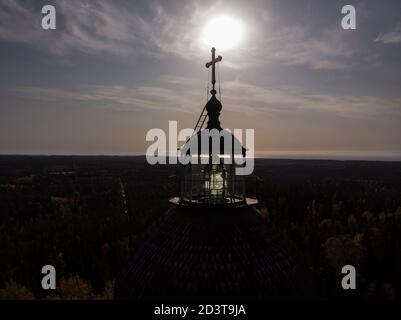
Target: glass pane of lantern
point(217, 181)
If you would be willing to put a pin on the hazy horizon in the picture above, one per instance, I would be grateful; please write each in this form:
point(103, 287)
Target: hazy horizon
point(279, 155)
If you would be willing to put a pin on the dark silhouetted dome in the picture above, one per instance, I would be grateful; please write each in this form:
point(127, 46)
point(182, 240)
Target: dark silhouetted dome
point(213, 108)
point(197, 253)
point(213, 105)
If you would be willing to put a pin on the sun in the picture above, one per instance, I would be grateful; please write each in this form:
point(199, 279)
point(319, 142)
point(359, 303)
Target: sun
point(223, 33)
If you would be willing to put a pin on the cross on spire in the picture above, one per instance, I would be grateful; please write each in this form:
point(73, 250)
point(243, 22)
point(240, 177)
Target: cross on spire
point(213, 64)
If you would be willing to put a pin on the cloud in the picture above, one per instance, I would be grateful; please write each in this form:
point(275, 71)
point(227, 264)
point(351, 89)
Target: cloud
point(18, 22)
point(238, 97)
point(291, 100)
point(303, 45)
point(91, 27)
point(120, 29)
point(113, 97)
point(391, 37)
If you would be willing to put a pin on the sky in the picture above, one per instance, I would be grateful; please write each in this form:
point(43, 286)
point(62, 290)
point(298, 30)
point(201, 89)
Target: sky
point(112, 70)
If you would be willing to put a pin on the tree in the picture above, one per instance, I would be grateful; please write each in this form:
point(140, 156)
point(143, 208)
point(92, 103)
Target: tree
point(341, 250)
point(15, 291)
point(108, 292)
point(73, 288)
point(381, 291)
point(326, 229)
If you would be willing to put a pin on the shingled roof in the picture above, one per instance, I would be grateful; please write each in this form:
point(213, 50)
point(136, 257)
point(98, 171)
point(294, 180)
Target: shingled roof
point(206, 253)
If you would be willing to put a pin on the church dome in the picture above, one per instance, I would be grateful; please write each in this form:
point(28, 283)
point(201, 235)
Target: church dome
point(213, 105)
point(213, 108)
point(222, 254)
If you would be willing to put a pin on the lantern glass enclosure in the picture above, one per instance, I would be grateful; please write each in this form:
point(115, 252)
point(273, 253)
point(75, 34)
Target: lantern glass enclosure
point(212, 183)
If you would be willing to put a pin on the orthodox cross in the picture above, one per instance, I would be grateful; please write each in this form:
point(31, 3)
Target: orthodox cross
point(213, 64)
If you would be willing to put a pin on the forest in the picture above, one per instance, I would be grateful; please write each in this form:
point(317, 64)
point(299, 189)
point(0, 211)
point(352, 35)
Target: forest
point(82, 214)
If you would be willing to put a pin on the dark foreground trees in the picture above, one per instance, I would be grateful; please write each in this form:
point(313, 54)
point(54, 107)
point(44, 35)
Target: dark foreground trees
point(69, 212)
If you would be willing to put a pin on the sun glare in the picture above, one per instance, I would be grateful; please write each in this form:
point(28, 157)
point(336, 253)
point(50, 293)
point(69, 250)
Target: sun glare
point(223, 33)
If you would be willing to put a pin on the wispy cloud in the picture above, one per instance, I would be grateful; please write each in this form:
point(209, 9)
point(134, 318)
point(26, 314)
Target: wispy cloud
point(101, 27)
point(112, 97)
point(287, 100)
point(391, 37)
point(18, 22)
point(295, 45)
point(94, 28)
point(238, 97)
